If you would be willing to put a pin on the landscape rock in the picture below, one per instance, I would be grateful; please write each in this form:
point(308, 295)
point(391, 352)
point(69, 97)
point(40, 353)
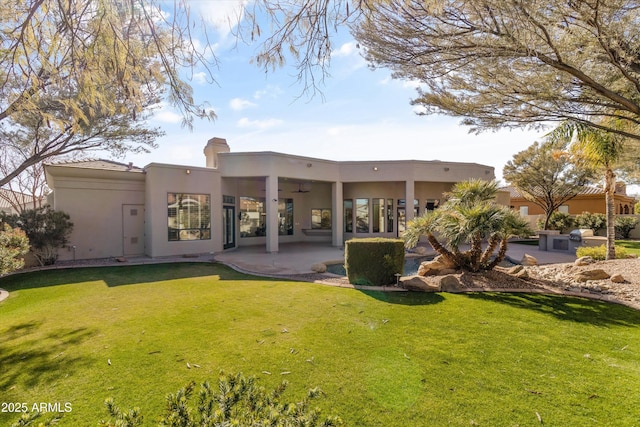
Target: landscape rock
point(515, 270)
point(319, 268)
point(585, 260)
point(617, 278)
point(435, 266)
point(596, 274)
point(419, 284)
point(528, 260)
point(450, 283)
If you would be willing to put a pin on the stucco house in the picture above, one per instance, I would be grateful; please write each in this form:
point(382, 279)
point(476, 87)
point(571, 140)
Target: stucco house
point(590, 199)
point(241, 199)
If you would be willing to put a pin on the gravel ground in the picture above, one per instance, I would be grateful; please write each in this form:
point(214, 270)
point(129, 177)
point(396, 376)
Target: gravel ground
point(561, 278)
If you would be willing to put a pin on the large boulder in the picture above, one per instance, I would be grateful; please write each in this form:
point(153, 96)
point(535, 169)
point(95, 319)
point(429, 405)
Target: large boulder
point(419, 284)
point(596, 274)
point(583, 260)
point(528, 260)
point(319, 268)
point(435, 267)
point(450, 283)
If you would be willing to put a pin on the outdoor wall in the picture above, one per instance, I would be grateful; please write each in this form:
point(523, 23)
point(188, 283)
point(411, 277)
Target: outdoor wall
point(95, 206)
point(162, 179)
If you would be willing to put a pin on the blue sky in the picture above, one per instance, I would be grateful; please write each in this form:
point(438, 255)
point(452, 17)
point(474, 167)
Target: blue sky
point(364, 114)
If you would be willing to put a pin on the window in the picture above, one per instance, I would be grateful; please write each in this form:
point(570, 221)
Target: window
point(189, 216)
point(362, 215)
point(252, 217)
point(348, 216)
point(378, 216)
point(432, 205)
point(563, 209)
point(524, 210)
point(321, 219)
point(416, 208)
point(285, 217)
point(389, 215)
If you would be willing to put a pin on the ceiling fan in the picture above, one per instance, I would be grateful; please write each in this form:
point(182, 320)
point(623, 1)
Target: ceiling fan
point(300, 189)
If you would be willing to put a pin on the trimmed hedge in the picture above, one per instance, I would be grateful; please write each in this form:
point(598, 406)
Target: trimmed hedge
point(373, 261)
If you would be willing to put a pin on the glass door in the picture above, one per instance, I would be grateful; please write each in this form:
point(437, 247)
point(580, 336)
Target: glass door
point(229, 227)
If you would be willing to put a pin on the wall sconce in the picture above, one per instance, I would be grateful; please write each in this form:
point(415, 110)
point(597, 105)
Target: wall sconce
point(309, 165)
point(274, 200)
point(486, 172)
point(188, 171)
point(375, 168)
point(446, 169)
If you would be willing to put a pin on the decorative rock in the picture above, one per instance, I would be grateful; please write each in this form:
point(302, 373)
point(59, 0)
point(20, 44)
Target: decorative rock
point(515, 270)
point(522, 274)
point(597, 274)
point(434, 267)
point(121, 259)
point(617, 278)
point(319, 268)
point(585, 260)
point(528, 260)
point(418, 284)
point(450, 284)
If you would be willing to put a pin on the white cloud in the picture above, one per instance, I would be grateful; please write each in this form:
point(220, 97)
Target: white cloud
point(259, 124)
point(200, 77)
point(347, 49)
point(419, 109)
point(270, 91)
point(166, 115)
point(224, 15)
point(239, 104)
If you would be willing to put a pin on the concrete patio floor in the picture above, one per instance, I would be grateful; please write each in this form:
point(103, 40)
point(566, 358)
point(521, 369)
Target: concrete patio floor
point(297, 258)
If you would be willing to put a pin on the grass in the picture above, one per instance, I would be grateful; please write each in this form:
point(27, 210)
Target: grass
point(400, 359)
point(632, 246)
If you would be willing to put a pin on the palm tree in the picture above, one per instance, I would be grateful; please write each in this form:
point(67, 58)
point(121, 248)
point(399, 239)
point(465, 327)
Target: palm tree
point(470, 215)
point(602, 150)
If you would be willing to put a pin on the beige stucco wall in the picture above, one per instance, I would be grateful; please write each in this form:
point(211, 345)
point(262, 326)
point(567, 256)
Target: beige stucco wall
point(162, 179)
point(94, 201)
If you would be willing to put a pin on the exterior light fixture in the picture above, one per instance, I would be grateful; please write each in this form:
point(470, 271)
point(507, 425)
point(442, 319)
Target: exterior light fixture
point(446, 169)
point(375, 168)
point(309, 165)
point(188, 171)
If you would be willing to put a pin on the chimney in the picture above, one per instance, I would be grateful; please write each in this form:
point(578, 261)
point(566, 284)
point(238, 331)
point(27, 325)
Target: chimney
point(213, 148)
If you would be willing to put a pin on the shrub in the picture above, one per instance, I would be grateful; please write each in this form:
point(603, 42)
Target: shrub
point(373, 261)
point(624, 225)
point(593, 221)
point(560, 221)
point(46, 229)
point(600, 252)
point(13, 244)
point(235, 401)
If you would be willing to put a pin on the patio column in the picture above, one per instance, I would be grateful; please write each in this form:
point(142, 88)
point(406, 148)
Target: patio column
point(337, 217)
point(409, 196)
point(271, 200)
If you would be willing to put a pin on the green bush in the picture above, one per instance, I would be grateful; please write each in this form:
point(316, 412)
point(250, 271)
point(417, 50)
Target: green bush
point(592, 221)
point(624, 225)
point(236, 400)
point(600, 252)
point(560, 221)
point(373, 261)
point(13, 244)
point(46, 229)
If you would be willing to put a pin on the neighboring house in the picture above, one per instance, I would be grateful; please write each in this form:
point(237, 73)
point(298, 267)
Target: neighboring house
point(591, 199)
point(241, 199)
point(13, 201)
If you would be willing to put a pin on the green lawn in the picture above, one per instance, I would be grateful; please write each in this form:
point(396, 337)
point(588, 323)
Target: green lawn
point(632, 246)
point(398, 359)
